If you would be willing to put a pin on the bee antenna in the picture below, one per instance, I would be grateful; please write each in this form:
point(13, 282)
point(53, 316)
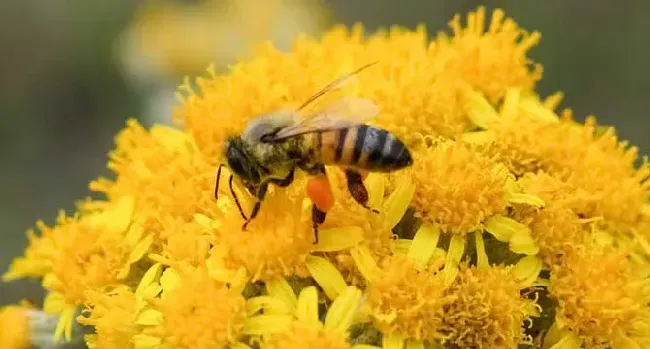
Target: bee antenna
point(216, 187)
point(232, 191)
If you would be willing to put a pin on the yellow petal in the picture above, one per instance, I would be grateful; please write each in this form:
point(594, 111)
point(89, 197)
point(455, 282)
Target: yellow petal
point(266, 324)
point(375, 184)
point(169, 280)
point(423, 246)
point(502, 228)
point(527, 199)
point(326, 275)
point(622, 341)
point(393, 341)
point(527, 270)
point(456, 248)
point(270, 305)
point(403, 246)
point(531, 106)
point(480, 111)
point(510, 102)
point(522, 242)
point(64, 325)
point(140, 249)
point(280, 289)
point(149, 317)
point(171, 138)
point(413, 344)
point(307, 308)
point(54, 303)
point(341, 313)
point(239, 345)
point(398, 202)
point(364, 346)
point(569, 341)
point(365, 262)
point(150, 276)
point(337, 239)
point(119, 218)
point(143, 341)
point(481, 255)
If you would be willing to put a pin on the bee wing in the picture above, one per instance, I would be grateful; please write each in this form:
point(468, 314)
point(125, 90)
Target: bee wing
point(347, 112)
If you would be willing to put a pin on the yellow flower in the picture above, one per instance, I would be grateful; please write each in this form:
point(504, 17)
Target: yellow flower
point(113, 313)
point(419, 86)
point(531, 137)
point(556, 228)
point(194, 310)
point(406, 293)
point(602, 300)
point(87, 252)
point(488, 310)
point(297, 324)
point(14, 328)
point(460, 191)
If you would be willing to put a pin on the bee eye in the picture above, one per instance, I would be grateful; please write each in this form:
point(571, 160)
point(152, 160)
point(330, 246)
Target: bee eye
point(239, 163)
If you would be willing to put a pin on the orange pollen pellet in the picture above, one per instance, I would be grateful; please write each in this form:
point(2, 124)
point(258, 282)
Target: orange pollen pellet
point(320, 193)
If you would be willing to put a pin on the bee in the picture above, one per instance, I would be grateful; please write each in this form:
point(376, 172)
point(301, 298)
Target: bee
point(273, 146)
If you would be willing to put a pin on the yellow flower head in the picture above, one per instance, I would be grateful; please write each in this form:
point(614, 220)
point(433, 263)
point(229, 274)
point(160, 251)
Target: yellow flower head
point(601, 298)
point(300, 326)
point(194, 311)
point(113, 315)
point(556, 227)
point(532, 138)
point(164, 172)
point(407, 301)
point(456, 187)
point(417, 85)
point(14, 328)
point(488, 310)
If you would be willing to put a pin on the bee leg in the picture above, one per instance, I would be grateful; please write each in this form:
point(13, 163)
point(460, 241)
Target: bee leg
point(256, 208)
point(262, 192)
point(357, 189)
point(234, 195)
point(317, 218)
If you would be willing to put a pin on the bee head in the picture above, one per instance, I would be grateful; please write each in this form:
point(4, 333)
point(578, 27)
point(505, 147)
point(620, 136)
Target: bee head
point(240, 163)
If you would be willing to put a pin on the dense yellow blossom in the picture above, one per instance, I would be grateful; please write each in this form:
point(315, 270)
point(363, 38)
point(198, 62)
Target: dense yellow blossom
point(14, 328)
point(161, 263)
point(488, 310)
point(601, 298)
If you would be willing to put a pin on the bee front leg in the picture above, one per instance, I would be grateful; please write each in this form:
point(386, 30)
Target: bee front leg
point(357, 189)
point(285, 182)
point(261, 192)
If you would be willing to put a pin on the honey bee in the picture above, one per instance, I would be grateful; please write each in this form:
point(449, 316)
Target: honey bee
point(273, 146)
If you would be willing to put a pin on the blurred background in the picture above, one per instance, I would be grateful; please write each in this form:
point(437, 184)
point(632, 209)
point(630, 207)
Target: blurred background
point(72, 72)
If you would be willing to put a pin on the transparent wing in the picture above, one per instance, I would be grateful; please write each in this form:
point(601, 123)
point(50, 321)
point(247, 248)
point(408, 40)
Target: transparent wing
point(347, 112)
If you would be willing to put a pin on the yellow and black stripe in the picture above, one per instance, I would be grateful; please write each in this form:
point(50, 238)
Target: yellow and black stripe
point(363, 147)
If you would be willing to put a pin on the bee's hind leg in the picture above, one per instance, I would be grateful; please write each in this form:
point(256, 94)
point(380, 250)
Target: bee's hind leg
point(317, 218)
point(357, 189)
point(261, 193)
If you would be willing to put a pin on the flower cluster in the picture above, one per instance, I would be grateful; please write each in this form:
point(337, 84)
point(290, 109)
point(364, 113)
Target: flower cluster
point(515, 225)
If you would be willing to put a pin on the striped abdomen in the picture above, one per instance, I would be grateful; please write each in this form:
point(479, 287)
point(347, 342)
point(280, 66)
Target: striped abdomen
point(364, 147)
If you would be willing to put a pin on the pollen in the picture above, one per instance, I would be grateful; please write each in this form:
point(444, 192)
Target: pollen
point(488, 311)
point(200, 313)
point(600, 296)
point(409, 302)
point(456, 187)
point(113, 315)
